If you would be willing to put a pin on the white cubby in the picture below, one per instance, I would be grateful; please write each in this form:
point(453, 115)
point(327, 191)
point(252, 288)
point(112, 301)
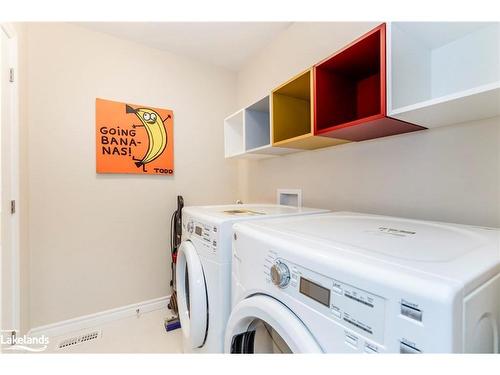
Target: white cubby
point(442, 73)
point(247, 133)
point(258, 130)
point(257, 133)
point(234, 131)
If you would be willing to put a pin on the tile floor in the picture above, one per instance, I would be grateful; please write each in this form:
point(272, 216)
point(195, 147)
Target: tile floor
point(143, 334)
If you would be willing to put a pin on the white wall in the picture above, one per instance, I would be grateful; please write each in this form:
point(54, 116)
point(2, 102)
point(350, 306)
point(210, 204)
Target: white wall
point(449, 174)
point(102, 241)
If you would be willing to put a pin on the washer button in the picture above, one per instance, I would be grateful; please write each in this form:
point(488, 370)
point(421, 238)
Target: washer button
point(407, 349)
point(337, 314)
point(351, 339)
point(337, 289)
point(411, 312)
point(370, 349)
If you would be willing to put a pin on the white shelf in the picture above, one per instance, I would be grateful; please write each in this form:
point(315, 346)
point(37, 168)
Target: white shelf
point(442, 73)
point(467, 105)
point(247, 133)
point(271, 151)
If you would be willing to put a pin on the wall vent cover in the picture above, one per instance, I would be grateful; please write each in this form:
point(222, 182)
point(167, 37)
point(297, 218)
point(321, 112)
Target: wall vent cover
point(80, 339)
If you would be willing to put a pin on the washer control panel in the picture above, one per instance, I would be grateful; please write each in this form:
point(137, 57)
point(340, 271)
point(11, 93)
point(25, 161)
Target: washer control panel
point(355, 309)
point(207, 233)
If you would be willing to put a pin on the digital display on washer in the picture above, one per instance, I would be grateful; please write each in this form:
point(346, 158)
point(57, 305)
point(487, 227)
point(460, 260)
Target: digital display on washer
point(315, 291)
point(198, 230)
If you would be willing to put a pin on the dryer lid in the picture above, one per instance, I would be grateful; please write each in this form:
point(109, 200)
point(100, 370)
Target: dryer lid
point(248, 211)
point(406, 239)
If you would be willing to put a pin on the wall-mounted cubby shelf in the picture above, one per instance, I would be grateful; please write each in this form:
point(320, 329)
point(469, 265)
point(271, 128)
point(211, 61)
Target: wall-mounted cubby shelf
point(292, 115)
point(399, 78)
point(258, 130)
point(350, 92)
point(443, 73)
point(234, 131)
point(248, 133)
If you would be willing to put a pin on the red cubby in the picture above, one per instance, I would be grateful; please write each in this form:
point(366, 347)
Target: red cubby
point(350, 92)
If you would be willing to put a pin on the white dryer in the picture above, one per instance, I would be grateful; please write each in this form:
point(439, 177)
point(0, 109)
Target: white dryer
point(204, 269)
point(346, 282)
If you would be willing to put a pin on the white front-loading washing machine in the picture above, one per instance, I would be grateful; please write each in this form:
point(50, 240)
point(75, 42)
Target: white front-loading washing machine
point(349, 283)
point(203, 269)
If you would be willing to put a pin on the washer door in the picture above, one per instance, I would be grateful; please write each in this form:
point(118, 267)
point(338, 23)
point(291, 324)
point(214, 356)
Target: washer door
point(261, 324)
point(191, 295)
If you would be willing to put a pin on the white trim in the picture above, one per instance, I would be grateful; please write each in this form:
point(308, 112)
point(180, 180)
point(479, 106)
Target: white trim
point(11, 34)
point(8, 29)
point(93, 320)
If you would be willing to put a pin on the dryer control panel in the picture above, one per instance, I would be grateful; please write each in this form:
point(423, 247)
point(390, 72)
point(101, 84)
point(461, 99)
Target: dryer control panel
point(355, 309)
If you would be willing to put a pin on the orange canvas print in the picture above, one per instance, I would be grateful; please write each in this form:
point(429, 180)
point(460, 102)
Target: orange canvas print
point(132, 138)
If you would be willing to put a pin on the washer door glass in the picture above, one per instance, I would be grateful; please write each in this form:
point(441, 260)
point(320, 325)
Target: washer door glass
point(261, 324)
point(260, 337)
point(191, 295)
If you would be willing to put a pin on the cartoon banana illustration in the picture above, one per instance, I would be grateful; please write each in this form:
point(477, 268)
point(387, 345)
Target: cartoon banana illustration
point(157, 135)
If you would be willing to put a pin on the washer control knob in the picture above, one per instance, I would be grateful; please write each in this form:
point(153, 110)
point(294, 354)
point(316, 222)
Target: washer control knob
point(190, 227)
point(280, 274)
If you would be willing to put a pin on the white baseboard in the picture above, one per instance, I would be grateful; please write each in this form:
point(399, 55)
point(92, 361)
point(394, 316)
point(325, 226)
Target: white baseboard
point(93, 320)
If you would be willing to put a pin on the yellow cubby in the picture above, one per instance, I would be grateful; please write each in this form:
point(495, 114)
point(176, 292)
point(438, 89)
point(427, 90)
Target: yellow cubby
point(292, 115)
